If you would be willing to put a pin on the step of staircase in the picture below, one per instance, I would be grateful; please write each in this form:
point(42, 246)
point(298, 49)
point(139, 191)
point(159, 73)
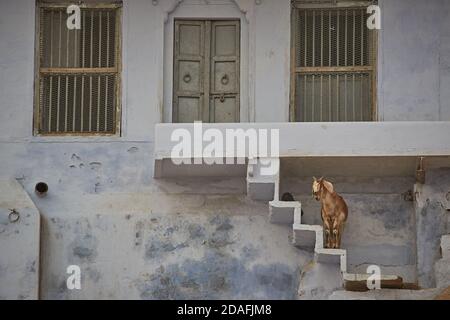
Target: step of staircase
point(332, 256)
point(307, 236)
point(263, 179)
point(358, 282)
point(283, 212)
point(445, 246)
point(442, 266)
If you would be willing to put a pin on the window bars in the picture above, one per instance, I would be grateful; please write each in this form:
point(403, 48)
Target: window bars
point(78, 74)
point(333, 76)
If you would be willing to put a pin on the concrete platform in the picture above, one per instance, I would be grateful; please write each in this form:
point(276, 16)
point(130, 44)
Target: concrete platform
point(400, 140)
point(358, 282)
point(386, 294)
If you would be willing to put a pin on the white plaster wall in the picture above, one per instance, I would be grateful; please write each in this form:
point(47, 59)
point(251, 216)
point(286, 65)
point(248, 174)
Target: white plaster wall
point(107, 179)
point(143, 68)
point(272, 60)
point(414, 56)
point(16, 68)
point(445, 64)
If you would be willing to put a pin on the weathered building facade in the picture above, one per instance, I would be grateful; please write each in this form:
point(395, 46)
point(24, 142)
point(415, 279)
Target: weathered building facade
point(91, 112)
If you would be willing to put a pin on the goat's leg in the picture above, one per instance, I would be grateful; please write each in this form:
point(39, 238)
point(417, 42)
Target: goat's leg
point(338, 239)
point(336, 233)
point(328, 238)
point(332, 242)
point(326, 235)
point(325, 229)
point(339, 235)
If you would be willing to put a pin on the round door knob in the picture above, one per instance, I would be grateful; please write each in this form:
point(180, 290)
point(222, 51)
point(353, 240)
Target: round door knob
point(187, 78)
point(225, 80)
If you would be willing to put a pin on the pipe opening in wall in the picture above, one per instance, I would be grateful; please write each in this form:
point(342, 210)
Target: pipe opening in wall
point(41, 189)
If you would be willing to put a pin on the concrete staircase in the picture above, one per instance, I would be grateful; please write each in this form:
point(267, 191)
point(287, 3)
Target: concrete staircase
point(440, 292)
point(310, 237)
point(307, 237)
point(263, 179)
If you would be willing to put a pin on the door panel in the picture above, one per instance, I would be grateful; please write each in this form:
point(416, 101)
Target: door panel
point(189, 77)
point(226, 35)
point(225, 71)
point(206, 71)
point(190, 110)
point(188, 71)
point(224, 109)
point(190, 35)
point(225, 77)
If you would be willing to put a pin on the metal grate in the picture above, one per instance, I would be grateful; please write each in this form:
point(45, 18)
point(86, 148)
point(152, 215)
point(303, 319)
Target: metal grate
point(78, 71)
point(332, 37)
point(334, 64)
point(93, 46)
point(78, 103)
point(334, 97)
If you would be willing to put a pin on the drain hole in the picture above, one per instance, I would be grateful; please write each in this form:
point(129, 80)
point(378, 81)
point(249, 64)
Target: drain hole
point(41, 189)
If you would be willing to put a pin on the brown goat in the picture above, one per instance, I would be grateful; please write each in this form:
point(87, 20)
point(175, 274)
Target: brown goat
point(334, 212)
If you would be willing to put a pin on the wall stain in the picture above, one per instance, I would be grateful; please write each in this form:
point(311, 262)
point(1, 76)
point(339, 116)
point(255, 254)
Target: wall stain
point(220, 277)
point(95, 165)
point(84, 248)
point(133, 150)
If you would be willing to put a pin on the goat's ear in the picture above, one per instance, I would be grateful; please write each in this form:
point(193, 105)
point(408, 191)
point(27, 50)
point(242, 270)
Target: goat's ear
point(315, 179)
point(329, 186)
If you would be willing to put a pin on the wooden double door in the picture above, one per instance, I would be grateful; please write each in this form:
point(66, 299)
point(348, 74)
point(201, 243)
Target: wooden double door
point(206, 71)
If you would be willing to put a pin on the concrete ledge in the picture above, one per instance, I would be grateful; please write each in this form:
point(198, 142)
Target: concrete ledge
point(386, 294)
point(309, 140)
point(328, 139)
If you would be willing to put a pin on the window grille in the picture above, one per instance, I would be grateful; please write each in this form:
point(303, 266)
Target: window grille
point(78, 78)
point(334, 56)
